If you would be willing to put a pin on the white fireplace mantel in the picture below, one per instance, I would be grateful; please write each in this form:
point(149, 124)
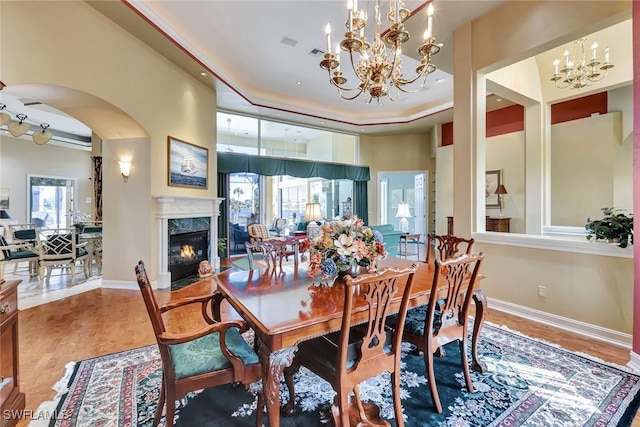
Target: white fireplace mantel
point(172, 207)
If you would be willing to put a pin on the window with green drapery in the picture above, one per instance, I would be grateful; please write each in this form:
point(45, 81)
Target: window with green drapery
point(229, 163)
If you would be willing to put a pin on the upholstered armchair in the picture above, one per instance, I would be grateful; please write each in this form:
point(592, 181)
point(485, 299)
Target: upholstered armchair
point(257, 232)
point(238, 236)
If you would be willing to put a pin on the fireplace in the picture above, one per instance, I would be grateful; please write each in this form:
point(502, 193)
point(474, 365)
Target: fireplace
point(186, 250)
point(185, 215)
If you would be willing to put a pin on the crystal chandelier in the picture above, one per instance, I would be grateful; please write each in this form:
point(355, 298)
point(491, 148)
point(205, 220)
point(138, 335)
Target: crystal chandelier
point(578, 71)
point(375, 65)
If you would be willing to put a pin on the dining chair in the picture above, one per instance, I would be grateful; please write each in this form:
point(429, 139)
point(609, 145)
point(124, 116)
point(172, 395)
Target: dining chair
point(59, 248)
point(16, 253)
point(447, 315)
point(214, 355)
point(360, 349)
point(92, 234)
point(447, 246)
point(23, 233)
point(272, 252)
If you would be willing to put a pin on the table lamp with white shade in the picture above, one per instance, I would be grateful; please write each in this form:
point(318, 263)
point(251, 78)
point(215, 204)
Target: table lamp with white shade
point(403, 213)
point(313, 213)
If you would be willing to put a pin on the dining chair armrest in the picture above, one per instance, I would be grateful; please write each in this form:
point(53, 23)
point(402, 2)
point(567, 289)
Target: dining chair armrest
point(215, 299)
point(18, 247)
point(171, 338)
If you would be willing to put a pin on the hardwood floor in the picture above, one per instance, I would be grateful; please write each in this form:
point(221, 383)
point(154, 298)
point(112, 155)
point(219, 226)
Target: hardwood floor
point(104, 321)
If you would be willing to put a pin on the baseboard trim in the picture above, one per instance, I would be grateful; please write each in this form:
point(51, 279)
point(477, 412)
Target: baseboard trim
point(120, 284)
point(592, 331)
point(634, 363)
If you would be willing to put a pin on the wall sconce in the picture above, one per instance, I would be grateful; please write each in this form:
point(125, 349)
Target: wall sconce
point(125, 169)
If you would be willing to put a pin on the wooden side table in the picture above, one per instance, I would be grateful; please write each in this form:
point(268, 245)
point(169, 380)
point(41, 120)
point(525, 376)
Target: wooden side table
point(500, 225)
point(409, 238)
point(12, 401)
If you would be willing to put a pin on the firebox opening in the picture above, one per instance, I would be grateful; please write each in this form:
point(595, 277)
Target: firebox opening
point(186, 251)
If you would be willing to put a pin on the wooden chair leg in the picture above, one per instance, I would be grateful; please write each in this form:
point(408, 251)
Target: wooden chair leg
point(156, 419)
point(73, 272)
point(397, 403)
point(465, 364)
point(170, 404)
point(260, 409)
point(428, 362)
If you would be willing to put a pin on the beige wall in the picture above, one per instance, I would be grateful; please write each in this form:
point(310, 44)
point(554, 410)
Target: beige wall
point(19, 157)
point(596, 290)
point(393, 153)
point(582, 168)
point(76, 47)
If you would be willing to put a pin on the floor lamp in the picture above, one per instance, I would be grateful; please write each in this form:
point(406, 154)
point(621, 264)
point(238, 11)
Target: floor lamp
point(313, 213)
point(403, 213)
point(500, 191)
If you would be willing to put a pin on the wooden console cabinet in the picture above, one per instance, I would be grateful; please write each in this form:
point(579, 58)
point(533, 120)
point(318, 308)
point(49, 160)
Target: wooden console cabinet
point(11, 400)
point(501, 225)
point(498, 224)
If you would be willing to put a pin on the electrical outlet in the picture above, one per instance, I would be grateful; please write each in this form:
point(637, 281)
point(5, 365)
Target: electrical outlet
point(542, 291)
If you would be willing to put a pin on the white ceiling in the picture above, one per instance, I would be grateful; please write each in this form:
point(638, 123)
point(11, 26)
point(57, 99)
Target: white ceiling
point(254, 72)
point(239, 47)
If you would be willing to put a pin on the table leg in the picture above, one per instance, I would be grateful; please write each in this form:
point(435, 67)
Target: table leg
point(481, 312)
point(273, 364)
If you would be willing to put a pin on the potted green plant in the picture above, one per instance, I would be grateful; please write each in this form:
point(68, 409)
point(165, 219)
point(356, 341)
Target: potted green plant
point(222, 246)
point(615, 226)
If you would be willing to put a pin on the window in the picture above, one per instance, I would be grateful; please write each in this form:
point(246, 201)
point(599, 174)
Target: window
point(248, 135)
point(51, 201)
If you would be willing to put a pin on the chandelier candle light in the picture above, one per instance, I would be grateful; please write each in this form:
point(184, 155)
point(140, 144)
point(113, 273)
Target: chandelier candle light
point(375, 65)
point(579, 72)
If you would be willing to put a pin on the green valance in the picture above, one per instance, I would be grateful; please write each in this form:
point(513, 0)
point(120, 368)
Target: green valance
point(270, 166)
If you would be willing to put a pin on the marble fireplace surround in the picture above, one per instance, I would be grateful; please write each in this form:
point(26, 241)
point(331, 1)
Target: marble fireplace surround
point(172, 207)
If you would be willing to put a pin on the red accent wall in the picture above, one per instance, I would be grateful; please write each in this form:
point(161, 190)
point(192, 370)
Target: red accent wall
point(447, 134)
point(579, 108)
point(505, 120)
point(511, 119)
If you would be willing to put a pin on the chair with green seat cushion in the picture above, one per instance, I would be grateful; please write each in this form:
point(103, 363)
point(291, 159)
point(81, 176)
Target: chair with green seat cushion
point(16, 253)
point(363, 347)
point(59, 247)
point(446, 317)
point(213, 355)
point(23, 233)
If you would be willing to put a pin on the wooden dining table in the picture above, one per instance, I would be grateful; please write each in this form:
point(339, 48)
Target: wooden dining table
point(284, 307)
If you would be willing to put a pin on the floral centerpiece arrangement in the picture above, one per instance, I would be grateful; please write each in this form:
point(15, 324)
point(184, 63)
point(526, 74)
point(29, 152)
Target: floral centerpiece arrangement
point(345, 244)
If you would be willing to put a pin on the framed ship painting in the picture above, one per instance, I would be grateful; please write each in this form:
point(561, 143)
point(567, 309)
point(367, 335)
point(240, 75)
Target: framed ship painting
point(188, 164)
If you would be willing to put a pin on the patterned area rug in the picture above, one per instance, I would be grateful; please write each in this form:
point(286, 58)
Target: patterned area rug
point(528, 383)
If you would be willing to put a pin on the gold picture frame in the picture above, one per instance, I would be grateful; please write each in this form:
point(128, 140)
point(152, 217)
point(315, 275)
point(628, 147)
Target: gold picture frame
point(492, 180)
point(188, 164)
